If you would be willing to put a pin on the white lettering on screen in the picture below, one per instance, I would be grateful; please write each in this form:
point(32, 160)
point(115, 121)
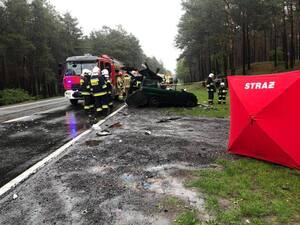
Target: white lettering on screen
point(260, 85)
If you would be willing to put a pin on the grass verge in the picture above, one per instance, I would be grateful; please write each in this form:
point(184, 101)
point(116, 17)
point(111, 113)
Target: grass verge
point(248, 191)
point(12, 96)
point(219, 111)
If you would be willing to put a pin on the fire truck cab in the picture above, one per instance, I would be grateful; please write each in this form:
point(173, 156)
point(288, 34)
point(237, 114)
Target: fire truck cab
point(76, 64)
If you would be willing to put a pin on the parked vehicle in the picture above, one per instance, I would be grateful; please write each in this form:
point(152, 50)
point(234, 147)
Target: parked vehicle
point(73, 67)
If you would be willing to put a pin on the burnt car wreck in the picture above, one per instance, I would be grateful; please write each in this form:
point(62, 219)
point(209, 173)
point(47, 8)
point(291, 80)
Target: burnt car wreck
point(153, 93)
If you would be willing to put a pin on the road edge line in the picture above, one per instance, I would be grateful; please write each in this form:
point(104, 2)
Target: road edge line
point(39, 165)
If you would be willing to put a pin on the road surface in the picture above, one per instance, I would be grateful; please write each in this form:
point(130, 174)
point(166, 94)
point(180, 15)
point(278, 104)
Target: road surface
point(31, 131)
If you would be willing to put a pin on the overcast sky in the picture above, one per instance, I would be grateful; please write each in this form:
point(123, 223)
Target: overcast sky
point(153, 22)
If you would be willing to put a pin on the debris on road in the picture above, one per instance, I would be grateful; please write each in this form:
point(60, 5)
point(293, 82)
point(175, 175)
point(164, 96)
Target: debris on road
point(103, 133)
point(166, 120)
point(15, 196)
point(148, 132)
point(116, 125)
point(96, 127)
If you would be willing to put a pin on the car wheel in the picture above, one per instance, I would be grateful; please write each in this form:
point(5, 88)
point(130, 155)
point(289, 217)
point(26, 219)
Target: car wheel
point(154, 102)
point(190, 103)
point(74, 101)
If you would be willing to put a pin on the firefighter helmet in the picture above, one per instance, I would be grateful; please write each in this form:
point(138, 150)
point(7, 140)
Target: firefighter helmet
point(96, 70)
point(222, 84)
point(86, 72)
point(105, 72)
point(211, 75)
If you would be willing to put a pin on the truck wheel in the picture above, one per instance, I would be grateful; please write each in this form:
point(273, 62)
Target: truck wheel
point(154, 102)
point(74, 101)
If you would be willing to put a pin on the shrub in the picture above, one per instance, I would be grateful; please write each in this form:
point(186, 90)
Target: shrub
point(12, 96)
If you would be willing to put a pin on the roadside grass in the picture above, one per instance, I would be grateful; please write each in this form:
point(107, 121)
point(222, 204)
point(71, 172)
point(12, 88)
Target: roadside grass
point(219, 111)
point(12, 96)
point(247, 191)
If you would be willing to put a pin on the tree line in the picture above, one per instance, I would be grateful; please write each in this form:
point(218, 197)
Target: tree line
point(221, 36)
point(35, 39)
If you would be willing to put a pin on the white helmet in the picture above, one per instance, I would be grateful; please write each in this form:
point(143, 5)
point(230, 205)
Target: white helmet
point(86, 72)
point(222, 84)
point(96, 70)
point(211, 75)
point(104, 72)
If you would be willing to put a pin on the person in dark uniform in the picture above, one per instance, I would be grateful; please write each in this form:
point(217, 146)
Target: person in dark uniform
point(85, 89)
point(108, 100)
point(222, 93)
point(210, 88)
point(98, 87)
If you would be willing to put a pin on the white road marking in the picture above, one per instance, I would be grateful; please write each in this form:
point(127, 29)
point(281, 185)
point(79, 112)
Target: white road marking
point(31, 103)
point(32, 170)
point(17, 119)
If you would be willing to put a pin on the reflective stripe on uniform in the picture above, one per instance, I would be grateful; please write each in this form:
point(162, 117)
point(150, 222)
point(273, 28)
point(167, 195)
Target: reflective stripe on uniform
point(85, 93)
point(104, 86)
point(87, 107)
point(111, 103)
point(94, 82)
point(99, 109)
point(81, 82)
point(104, 106)
point(99, 94)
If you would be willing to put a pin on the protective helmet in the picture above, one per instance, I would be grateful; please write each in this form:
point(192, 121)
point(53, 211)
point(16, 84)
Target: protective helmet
point(211, 75)
point(96, 70)
point(222, 84)
point(105, 72)
point(86, 72)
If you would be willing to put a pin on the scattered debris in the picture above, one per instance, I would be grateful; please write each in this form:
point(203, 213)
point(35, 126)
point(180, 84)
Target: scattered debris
point(103, 133)
point(15, 196)
point(116, 125)
point(93, 143)
point(148, 132)
point(96, 127)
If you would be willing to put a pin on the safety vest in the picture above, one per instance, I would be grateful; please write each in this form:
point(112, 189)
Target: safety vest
point(98, 86)
point(85, 85)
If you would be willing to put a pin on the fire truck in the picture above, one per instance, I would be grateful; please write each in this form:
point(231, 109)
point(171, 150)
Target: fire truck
point(74, 66)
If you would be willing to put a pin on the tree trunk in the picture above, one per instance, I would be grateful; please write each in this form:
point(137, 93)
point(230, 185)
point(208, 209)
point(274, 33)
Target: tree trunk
point(292, 45)
point(275, 46)
point(244, 44)
point(284, 44)
point(248, 49)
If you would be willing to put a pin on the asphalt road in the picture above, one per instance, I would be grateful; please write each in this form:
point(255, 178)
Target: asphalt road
point(130, 177)
point(31, 131)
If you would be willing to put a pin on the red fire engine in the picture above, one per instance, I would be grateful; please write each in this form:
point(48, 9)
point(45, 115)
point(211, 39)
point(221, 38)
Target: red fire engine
point(76, 64)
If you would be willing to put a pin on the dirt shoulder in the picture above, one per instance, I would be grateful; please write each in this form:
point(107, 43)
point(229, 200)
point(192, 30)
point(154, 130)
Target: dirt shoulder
point(133, 176)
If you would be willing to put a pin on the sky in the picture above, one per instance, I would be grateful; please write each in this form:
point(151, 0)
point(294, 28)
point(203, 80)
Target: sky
point(153, 22)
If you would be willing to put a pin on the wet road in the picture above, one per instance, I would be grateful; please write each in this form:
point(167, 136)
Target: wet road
point(35, 130)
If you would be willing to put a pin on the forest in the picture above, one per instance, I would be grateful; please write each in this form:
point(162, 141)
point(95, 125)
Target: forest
point(229, 36)
point(35, 39)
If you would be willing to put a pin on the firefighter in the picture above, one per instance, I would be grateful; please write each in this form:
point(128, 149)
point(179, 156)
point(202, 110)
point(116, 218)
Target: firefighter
point(85, 86)
point(98, 89)
point(222, 93)
point(127, 81)
point(210, 88)
point(108, 100)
